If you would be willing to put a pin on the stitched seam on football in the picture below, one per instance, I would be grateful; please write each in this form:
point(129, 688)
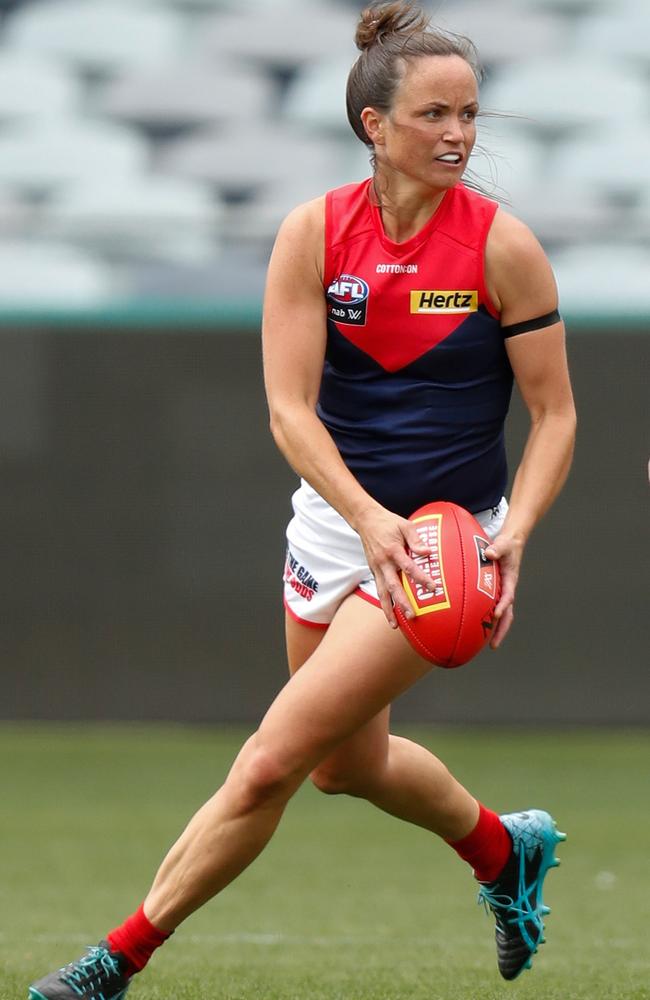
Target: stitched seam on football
point(463, 562)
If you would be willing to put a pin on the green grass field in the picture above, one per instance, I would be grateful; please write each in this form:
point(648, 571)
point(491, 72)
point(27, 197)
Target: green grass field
point(346, 903)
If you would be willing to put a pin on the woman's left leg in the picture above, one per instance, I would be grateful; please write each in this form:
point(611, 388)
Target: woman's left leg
point(395, 774)
point(407, 781)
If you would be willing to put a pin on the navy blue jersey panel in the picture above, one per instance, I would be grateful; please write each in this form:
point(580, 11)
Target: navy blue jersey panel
point(433, 429)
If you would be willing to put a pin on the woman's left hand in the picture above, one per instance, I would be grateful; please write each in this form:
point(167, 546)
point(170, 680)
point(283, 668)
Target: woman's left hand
point(507, 551)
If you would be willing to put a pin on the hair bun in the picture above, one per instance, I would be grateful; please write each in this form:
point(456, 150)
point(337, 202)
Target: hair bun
point(381, 20)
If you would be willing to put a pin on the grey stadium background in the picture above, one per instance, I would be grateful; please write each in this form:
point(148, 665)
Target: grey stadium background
point(143, 501)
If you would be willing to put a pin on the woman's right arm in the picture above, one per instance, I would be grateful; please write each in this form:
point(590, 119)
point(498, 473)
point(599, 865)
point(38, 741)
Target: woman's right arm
point(294, 340)
point(294, 336)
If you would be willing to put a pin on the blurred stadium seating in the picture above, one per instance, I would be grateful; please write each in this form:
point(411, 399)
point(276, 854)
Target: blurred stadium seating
point(167, 138)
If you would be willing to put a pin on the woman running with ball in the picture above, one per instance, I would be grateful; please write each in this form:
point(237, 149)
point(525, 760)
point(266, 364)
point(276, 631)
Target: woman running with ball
point(397, 312)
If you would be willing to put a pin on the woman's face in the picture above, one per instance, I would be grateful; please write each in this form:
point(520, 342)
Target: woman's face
point(430, 131)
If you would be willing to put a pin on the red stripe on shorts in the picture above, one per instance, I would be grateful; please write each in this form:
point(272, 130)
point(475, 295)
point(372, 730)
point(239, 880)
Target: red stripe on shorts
point(303, 621)
point(368, 597)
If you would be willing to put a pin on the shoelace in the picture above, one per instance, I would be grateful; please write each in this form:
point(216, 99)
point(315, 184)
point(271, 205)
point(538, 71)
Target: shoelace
point(520, 908)
point(98, 964)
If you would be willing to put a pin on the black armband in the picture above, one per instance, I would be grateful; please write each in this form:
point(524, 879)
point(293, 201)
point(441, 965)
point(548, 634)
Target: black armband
point(539, 323)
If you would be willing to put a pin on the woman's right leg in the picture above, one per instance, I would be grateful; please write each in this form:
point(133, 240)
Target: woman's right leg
point(358, 668)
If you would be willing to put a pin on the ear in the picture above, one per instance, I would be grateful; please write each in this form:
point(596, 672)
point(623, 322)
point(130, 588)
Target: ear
point(373, 122)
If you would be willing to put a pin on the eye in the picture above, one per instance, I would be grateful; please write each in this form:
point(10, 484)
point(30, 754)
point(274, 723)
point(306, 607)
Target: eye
point(470, 114)
point(434, 113)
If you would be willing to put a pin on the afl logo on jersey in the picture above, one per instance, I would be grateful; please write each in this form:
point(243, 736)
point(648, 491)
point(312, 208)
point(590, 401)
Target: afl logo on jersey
point(347, 300)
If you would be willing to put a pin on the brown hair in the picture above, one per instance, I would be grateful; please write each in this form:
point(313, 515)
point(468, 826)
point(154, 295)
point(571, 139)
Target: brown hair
point(389, 35)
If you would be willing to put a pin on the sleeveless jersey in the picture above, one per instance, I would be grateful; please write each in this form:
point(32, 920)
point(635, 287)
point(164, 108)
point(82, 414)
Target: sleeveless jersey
point(416, 382)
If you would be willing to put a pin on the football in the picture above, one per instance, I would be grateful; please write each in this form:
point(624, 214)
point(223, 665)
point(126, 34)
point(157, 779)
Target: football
point(453, 621)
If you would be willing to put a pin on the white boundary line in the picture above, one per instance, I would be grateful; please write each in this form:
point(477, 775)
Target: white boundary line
point(244, 937)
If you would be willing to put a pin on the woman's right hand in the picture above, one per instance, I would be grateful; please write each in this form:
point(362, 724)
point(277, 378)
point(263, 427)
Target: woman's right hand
point(386, 538)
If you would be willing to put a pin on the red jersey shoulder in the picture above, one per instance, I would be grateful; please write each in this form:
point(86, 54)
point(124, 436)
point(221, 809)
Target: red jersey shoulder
point(469, 218)
point(346, 213)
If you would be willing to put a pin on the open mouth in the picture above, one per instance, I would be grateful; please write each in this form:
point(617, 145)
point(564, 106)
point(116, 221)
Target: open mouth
point(452, 158)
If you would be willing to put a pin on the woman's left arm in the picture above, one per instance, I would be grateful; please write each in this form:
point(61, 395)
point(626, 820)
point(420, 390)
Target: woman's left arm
point(521, 282)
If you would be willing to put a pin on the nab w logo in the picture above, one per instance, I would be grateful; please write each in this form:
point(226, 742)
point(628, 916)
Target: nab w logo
point(347, 300)
point(443, 302)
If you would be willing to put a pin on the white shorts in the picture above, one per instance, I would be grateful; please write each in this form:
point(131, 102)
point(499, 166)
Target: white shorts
point(326, 561)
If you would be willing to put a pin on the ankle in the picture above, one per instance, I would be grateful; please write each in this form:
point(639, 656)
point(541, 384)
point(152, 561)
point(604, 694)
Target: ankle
point(136, 940)
point(487, 847)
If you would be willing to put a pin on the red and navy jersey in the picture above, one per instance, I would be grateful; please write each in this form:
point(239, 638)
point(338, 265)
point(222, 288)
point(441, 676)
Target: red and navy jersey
point(416, 382)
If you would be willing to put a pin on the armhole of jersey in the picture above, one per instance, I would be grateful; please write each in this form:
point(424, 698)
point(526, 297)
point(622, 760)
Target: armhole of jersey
point(328, 277)
point(484, 294)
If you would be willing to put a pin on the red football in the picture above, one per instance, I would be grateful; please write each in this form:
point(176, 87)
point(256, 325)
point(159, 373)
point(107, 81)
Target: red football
point(454, 620)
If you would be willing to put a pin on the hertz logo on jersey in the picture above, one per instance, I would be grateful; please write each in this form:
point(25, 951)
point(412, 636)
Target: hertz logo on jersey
point(439, 302)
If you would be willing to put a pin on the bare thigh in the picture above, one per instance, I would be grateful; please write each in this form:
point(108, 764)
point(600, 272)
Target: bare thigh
point(353, 673)
point(366, 748)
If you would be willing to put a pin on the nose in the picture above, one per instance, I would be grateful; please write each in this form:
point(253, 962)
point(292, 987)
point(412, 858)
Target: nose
point(454, 131)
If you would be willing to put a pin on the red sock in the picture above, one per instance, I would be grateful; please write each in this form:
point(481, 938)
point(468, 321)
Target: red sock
point(487, 848)
point(136, 939)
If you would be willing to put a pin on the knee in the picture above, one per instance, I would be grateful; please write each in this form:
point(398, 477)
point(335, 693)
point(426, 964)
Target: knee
point(334, 781)
point(263, 775)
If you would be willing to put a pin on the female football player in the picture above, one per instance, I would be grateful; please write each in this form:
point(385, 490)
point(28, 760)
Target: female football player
point(397, 312)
